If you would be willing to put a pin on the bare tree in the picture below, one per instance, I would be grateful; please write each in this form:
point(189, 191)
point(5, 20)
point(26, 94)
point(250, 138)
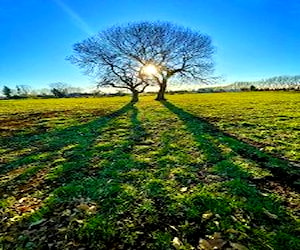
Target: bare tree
point(59, 89)
point(137, 54)
point(101, 58)
point(124, 75)
point(23, 90)
point(276, 82)
point(7, 92)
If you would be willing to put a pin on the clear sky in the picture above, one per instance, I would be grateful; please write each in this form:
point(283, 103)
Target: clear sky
point(254, 38)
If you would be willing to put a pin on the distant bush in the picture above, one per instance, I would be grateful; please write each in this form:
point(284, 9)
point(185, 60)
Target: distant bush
point(245, 89)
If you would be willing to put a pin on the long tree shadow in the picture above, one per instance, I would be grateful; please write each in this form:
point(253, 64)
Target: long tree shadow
point(53, 140)
point(282, 170)
point(67, 154)
point(109, 192)
point(239, 195)
point(92, 176)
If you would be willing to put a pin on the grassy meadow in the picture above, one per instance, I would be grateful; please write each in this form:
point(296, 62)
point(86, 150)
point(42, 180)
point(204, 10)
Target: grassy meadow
point(199, 171)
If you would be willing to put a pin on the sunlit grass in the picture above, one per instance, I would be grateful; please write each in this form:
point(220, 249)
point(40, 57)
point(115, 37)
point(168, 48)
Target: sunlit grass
point(270, 119)
point(146, 176)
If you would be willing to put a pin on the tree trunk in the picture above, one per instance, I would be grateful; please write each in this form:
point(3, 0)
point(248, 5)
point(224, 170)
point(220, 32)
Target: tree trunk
point(161, 92)
point(135, 96)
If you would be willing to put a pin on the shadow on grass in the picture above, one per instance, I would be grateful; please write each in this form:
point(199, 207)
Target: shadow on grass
point(204, 131)
point(66, 157)
point(48, 145)
point(54, 140)
point(92, 175)
point(102, 195)
point(241, 200)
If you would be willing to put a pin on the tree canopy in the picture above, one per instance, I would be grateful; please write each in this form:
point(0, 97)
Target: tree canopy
point(136, 55)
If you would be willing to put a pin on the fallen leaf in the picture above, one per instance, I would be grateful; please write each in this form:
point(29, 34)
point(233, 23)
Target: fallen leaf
point(92, 209)
point(66, 212)
point(22, 199)
point(270, 215)
point(217, 223)
point(79, 221)
point(215, 242)
point(24, 209)
point(62, 229)
point(204, 245)
point(232, 231)
point(184, 189)
point(9, 238)
point(237, 246)
point(174, 228)
point(176, 242)
point(217, 235)
point(207, 216)
point(83, 207)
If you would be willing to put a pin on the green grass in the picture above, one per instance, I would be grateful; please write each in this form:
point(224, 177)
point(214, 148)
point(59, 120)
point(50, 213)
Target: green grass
point(269, 120)
point(104, 174)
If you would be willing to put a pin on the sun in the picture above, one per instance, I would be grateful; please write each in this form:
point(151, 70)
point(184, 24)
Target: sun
point(149, 69)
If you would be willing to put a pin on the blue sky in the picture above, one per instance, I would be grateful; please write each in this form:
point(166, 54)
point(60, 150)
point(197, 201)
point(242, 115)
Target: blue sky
point(254, 38)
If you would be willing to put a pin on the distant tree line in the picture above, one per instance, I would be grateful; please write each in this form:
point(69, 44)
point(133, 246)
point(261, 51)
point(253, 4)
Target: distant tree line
point(57, 90)
point(63, 90)
point(273, 83)
point(21, 91)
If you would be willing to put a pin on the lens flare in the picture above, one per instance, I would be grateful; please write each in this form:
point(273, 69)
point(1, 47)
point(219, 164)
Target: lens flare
point(149, 69)
point(75, 18)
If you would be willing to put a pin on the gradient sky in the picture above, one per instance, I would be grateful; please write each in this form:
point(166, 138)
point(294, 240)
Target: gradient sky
point(254, 38)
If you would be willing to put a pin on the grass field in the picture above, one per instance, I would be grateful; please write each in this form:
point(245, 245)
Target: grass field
point(200, 171)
